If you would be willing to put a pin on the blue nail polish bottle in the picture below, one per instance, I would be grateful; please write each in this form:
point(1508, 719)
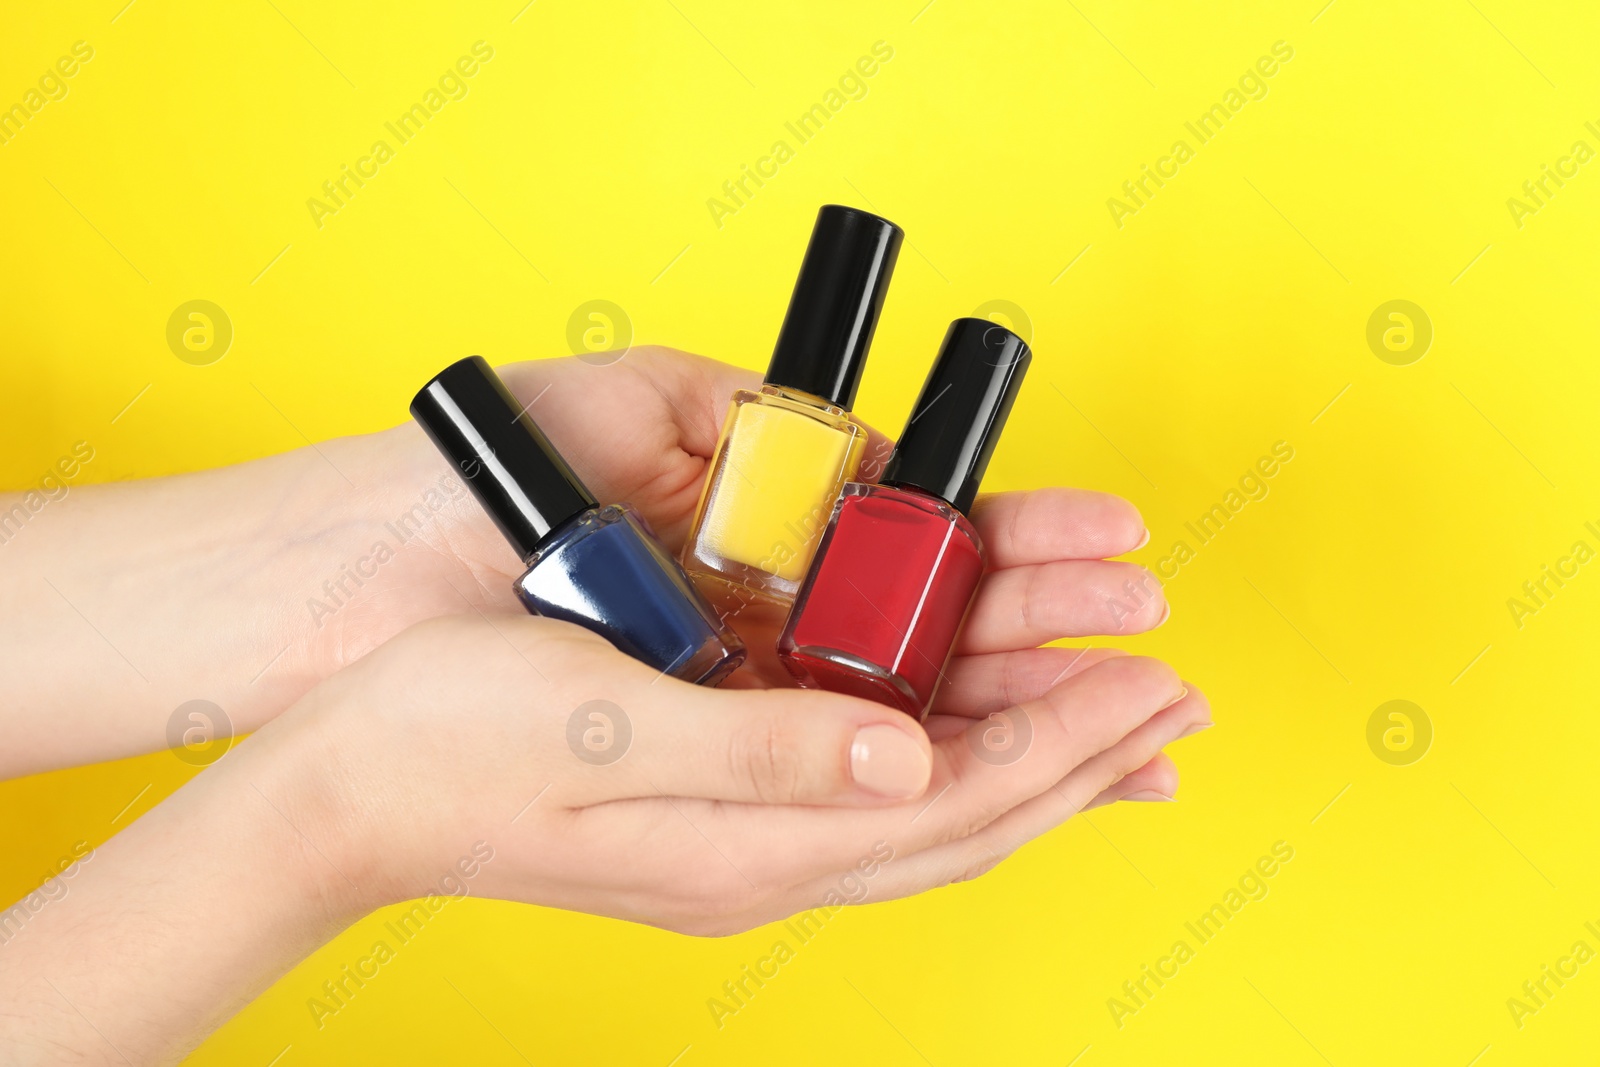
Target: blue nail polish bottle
point(599, 567)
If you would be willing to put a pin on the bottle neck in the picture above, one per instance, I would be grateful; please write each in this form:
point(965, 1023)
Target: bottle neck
point(800, 396)
point(923, 491)
point(553, 533)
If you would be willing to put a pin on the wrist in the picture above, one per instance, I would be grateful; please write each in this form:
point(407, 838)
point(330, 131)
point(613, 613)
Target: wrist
point(234, 558)
point(359, 840)
point(228, 883)
point(305, 833)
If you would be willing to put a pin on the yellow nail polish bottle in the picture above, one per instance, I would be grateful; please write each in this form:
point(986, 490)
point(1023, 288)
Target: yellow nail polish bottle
point(787, 449)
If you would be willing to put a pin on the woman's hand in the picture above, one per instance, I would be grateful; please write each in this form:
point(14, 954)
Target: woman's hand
point(521, 758)
point(607, 788)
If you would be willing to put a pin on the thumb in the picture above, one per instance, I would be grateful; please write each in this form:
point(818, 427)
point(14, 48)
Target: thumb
point(773, 746)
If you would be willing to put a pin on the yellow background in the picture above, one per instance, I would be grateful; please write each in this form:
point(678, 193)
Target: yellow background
point(1224, 316)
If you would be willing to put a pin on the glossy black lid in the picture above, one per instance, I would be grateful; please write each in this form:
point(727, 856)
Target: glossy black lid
point(822, 347)
point(946, 445)
point(500, 453)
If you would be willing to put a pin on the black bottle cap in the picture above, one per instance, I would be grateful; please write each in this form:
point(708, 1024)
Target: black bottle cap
point(963, 407)
point(822, 347)
point(501, 454)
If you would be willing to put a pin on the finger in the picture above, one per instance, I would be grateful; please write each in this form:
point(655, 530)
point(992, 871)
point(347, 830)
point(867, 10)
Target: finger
point(637, 733)
point(996, 764)
point(770, 747)
point(1080, 718)
point(695, 389)
point(874, 456)
point(1003, 761)
point(975, 780)
point(975, 686)
point(698, 390)
point(1077, 789)
point(1042, 525)
point(1023, 607)
point(1157, 780)
point(970, 857)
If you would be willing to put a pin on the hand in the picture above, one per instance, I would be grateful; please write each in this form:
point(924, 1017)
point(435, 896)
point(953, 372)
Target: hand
point(703, 811)
point(440, 765)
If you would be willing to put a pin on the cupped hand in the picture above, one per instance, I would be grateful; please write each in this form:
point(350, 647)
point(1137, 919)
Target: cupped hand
point(601, 786)
point(683, 828)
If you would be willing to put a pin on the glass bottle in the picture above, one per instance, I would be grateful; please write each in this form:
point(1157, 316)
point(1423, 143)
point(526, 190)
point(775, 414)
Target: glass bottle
point(893, 578)
point(899, 564)
point(787, 449)
point(599, 567)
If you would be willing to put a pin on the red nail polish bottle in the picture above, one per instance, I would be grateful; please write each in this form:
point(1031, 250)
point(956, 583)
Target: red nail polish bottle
point(899, 563)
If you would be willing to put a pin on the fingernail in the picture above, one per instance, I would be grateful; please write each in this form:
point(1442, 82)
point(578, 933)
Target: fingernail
point(888, 762)
point(1194, 729)
point(1144, 542)
point(1166, 612)
point(1181, 694)
point(1151, 795)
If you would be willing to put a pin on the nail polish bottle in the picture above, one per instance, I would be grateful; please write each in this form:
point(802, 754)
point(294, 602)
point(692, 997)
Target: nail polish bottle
point(787, 450)
point(899, 563)
point(599, 567)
